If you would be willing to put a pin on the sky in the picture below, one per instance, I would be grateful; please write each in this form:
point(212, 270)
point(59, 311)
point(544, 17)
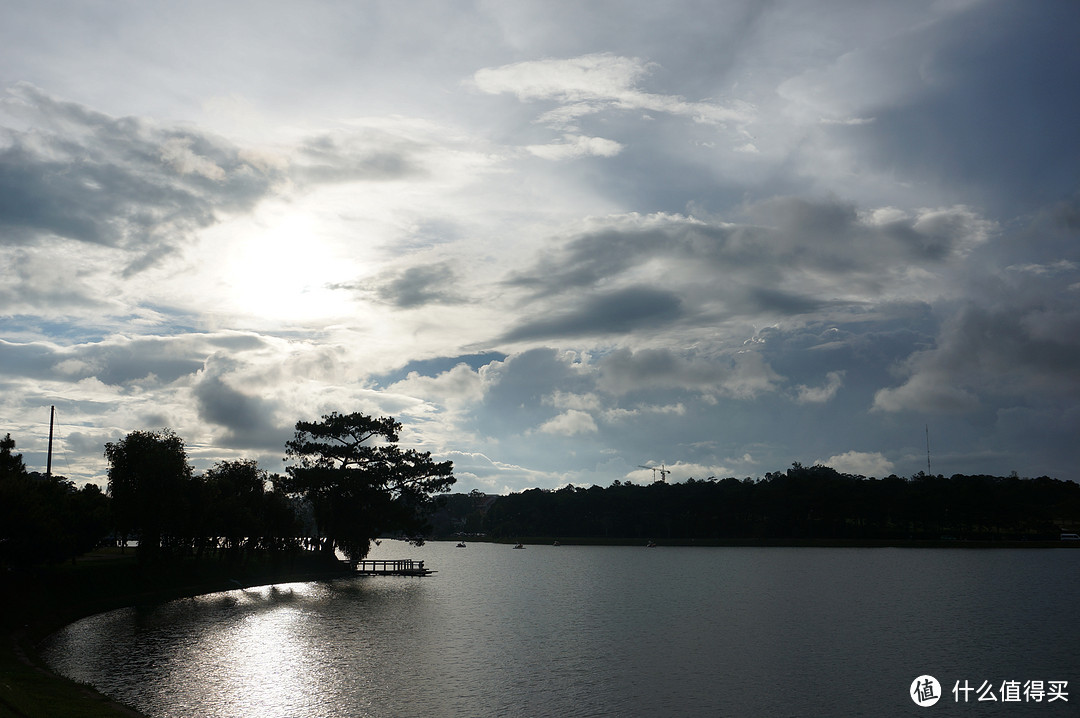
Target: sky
point(558, 241)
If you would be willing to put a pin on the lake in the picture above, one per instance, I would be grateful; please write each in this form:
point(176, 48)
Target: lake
point(608, 631)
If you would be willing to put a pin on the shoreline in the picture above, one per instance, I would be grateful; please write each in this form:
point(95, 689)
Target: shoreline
point(43, 601)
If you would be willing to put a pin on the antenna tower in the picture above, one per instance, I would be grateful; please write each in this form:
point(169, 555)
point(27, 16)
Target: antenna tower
point(928, 472)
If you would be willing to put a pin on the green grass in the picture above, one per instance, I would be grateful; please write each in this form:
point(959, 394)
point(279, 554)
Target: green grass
point(39, 602)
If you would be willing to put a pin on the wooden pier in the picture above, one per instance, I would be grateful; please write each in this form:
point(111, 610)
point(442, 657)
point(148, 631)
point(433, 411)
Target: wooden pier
point(398, 567)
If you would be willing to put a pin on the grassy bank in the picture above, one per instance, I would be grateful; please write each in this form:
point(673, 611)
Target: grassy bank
point(39, 602)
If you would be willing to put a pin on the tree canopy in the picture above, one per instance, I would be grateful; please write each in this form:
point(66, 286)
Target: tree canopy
point(149, 479)
point(360, 483)
point(45, 519)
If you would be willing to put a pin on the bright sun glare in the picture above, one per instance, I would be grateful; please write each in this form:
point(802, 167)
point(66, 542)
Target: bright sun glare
point(283, 269)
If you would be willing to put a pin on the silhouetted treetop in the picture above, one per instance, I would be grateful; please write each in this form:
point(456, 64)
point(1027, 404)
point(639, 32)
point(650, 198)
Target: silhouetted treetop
point(359, 482)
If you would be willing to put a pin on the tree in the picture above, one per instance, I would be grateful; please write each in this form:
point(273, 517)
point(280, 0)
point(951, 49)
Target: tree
point(359, 483)
point(11, 465)
point(44, 519)
point(149, 480)
point(236, 491)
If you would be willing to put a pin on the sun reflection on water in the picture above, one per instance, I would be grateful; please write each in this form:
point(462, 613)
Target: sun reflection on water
point(265, 664)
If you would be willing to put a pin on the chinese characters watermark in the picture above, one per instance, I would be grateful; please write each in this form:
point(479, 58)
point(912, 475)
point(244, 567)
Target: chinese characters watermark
point(926, 691)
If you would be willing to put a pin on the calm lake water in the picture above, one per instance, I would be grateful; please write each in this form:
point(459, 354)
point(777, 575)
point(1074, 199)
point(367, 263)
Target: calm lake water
point(605, 631)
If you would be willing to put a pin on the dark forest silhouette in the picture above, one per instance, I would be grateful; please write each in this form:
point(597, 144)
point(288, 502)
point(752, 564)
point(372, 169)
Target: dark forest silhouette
point(349, 484)
point(802, 503)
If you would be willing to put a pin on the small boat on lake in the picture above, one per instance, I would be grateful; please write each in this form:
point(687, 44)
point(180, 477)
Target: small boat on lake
point(461, 544)
point(520, 545)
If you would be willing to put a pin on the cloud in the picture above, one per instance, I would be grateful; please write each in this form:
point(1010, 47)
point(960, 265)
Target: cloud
point(249, 421)
point(740, 375)
point(770, 230)
point(596, 83)
point(116, 360)
point(118, 182)
point(600, 76)
point(567, 400)
point(860, 463)
point(574, 146)
point(801, 261)
point(794, 242)
point(943, 90)
point(619, 414)
point(1024, 347)
point(819, 395)
point(476, 470)
point(358, 154)
point(459, 385)
point(421, 285)
point(620, 312)
point(570, 423)
point(177, 153)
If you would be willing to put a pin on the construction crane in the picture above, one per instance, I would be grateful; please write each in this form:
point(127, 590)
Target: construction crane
point(663, 471)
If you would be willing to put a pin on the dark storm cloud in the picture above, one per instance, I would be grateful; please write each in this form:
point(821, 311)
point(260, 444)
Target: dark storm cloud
point(620, 312)
point(798, 259)
point(118, 360)
point(790, 234)
point(418, 286)
point(985, 113)
point(741, 375)
point(248, 419)
point(784, 303)
point(27, 360)
point(1024, 347)
point(118, 182)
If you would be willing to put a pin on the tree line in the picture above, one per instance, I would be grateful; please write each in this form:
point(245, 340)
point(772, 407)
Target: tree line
point(349, 482)
point(45, 519)
point(803, 503)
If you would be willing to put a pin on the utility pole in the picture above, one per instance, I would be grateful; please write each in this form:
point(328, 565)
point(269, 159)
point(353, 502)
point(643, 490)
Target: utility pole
point(52, 417)
point(928, 451)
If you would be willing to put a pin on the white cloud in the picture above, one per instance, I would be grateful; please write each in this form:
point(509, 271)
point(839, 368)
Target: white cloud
point(460, 385)
point(591, 84)
point(618, 414)
point(600, 76)
point(177, 153)
point(860, 463)
point(570, 423)
point(1061, 265)
point(926, 391)
point(574, 146)
point(820, 394)
point(567, 400)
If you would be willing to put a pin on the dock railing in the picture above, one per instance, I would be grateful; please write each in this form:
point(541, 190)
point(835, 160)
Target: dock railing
point(395, 567)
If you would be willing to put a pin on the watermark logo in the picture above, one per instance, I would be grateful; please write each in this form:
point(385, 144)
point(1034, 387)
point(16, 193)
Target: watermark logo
point(925, 691)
